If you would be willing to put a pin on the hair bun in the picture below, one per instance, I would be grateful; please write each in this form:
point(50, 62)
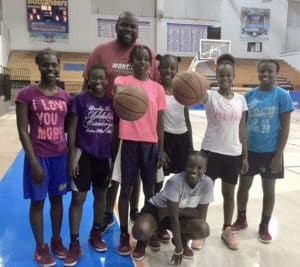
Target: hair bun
point(226, 58)
point(158, 56)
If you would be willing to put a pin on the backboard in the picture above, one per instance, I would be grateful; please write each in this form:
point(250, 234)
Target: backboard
point(210, 49)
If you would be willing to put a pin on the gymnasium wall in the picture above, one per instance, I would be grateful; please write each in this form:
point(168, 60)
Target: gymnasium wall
point(4, 44)
point(80, 24)
point(274, 45)
point(83, 15)
point(292, 59)
point(293, 27)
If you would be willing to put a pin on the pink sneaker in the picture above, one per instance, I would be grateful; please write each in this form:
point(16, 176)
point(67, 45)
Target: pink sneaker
point(239, 224)
point(43, 256)
point(229, 239)
point(198, 244)
point(264, 235)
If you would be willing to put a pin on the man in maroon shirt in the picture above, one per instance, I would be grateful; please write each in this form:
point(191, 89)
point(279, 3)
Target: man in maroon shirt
point(113, 55)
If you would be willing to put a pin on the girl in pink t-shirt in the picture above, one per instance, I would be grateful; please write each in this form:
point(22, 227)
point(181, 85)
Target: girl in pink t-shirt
point(41, 111)
point(142, 140)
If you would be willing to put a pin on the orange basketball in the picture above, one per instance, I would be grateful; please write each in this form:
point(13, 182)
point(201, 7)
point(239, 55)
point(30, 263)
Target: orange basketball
point(144, 227)
point(130, 102)
point(189, 87)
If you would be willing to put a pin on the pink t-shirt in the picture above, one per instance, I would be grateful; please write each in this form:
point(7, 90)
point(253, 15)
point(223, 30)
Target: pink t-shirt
point(115, 59)
point(46, 117)
point(143, 129)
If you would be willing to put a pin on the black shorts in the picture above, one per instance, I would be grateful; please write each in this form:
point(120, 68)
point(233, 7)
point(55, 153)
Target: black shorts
point(177, 148)
point(259, 163)
point(223, 166)
point(91, 171)
point(138, 156)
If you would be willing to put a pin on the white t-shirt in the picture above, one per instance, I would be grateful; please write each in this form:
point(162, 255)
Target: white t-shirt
point(174, 120)
point(223, 120)
point(177, 190)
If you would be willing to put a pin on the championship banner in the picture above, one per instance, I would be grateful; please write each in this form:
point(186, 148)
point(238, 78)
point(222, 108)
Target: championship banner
point(255, 23)
point(48, 20)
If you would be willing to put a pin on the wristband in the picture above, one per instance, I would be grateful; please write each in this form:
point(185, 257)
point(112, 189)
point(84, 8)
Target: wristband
point(178, 253)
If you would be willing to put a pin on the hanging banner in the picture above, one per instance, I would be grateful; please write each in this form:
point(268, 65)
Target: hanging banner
point(185, 38)
point(255, 23)
point(48, 20)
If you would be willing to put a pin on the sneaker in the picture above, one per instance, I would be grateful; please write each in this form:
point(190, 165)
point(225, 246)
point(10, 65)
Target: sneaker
point(229, 239)
point(163, 236)
point(108, 221)
point(124, 247)
point(73, 254)
point(96, 241)
point(58, 248)
point(187, 252)
point(134, 214)
point(198, 244)
point(239, 224)
point(264, 235)
point(43, 257)
point(154, 243)
point(139, 251)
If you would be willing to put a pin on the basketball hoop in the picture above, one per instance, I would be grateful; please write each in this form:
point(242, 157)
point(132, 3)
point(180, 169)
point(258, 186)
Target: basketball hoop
point(209, 49)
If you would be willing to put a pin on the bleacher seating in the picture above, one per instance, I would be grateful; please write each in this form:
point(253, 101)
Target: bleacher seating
point(23, 67)
point(20, 74)
point(246, 74)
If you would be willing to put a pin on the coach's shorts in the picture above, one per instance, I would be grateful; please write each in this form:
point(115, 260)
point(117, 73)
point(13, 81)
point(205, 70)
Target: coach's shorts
point(91, 171)
point(135, 157)
point(222, 166)
point(177, 148)
point(259, 163)
point(56, 180)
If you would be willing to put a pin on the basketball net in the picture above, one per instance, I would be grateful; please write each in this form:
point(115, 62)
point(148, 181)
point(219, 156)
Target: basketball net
point(195, 61)
point(214, 59)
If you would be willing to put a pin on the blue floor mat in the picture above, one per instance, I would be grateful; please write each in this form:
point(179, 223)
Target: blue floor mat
point(16, 239)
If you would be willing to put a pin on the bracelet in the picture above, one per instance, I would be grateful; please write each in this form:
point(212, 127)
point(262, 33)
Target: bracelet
point(178, 253)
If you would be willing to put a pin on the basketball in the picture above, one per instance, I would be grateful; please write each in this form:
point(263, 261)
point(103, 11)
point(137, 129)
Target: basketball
point(144, 227)
point(130, 103)
point(189, 87)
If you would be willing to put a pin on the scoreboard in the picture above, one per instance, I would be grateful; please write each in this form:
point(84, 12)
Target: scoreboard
point(47, 16)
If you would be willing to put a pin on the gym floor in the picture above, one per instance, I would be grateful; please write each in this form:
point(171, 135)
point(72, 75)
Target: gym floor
point(17, 244)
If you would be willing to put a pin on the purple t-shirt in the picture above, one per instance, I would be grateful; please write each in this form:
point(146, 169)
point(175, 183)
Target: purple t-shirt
point(46, 117)
point(96, 119)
